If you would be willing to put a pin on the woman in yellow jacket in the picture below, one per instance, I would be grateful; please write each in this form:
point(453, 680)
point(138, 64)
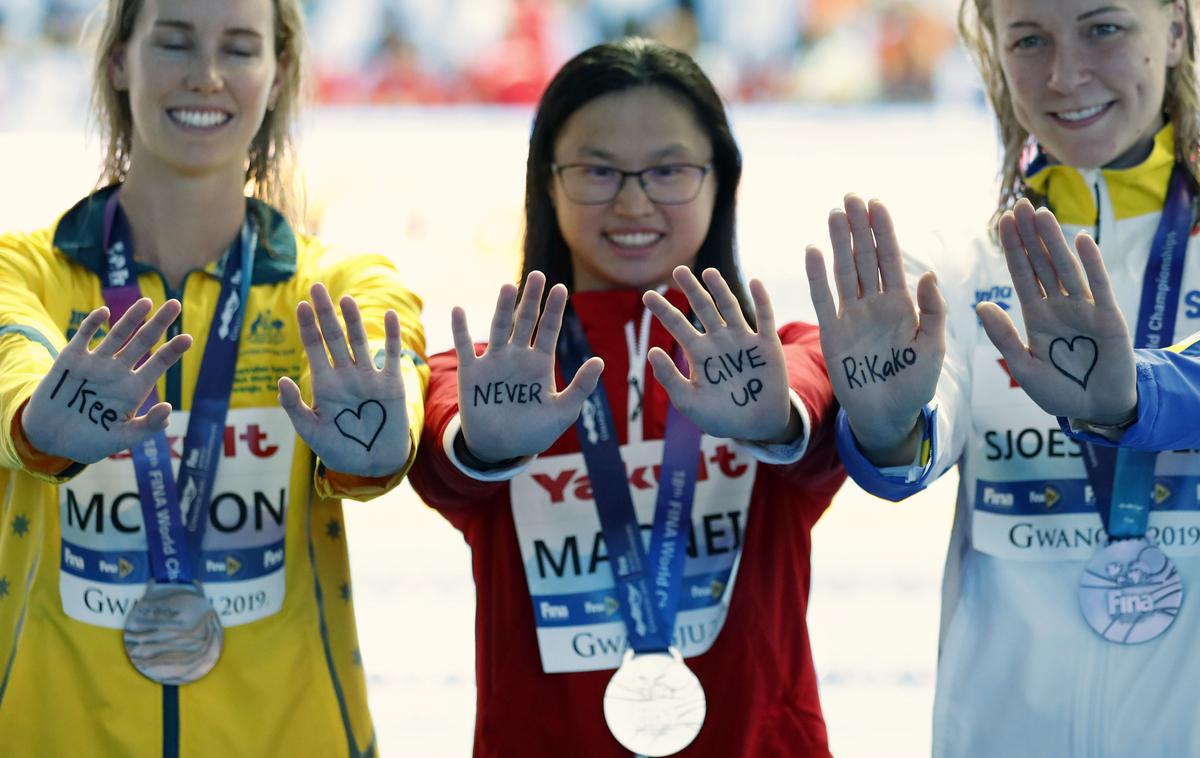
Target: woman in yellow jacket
point(225, 628)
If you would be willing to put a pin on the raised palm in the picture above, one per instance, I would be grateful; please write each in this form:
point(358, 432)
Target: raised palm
point(884, 357)
point(87, 407)
point(1078, 360)
point(737, 384)
point(507, 400)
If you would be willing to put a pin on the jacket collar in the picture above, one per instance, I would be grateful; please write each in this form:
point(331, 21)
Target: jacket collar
point(1135, 191)
point(615, 307)
point(79, 234)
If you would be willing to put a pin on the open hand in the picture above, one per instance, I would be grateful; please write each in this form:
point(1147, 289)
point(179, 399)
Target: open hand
point(884, 358)
point(358, 421)
point(86, 408)
point(737, 384)
point(507, 401)
point(1079, 358)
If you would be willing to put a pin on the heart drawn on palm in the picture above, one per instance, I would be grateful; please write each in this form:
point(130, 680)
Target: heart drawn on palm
point(362, 425)
point(1075, 359)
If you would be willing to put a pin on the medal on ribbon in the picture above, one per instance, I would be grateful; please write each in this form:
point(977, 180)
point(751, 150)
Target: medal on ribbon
point(1130, 591)
point(172, 634)
point(653, 705)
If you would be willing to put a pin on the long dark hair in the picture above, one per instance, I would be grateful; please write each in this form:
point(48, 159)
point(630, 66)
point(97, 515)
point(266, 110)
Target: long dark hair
point(614, 67)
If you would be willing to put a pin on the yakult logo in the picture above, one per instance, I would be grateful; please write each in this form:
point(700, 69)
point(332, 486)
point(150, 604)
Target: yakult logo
point(575, 480)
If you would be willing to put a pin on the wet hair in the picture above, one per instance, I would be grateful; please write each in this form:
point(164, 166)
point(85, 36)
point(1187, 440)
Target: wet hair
point(616, 67)
point(1181, 102)
point(269, 170)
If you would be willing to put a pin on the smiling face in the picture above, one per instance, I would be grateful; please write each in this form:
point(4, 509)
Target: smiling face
point(200, 75)
point(632, 242)
point(1087, 77)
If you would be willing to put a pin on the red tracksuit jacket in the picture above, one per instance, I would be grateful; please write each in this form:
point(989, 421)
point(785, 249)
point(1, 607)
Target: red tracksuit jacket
point(541, 573)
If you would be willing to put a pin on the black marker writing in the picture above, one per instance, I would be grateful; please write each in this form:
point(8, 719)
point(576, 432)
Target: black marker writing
point(749, 392)
point(363, 425)
point(498, 393)
point(874, 369)
point(93, 409)
point(727, 366)
point(1075, 359)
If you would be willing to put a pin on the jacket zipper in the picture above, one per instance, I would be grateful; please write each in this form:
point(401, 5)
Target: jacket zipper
point(638, 346)
point(1095, 728)
point(174, 396)
point(1106, 220)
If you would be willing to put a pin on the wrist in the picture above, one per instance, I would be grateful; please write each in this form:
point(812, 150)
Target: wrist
point(1111, 428)
point(1122, 420)
point(791, 431)
point(890, 445)
point(30, 455)
point(31, 435)
point(477, 461)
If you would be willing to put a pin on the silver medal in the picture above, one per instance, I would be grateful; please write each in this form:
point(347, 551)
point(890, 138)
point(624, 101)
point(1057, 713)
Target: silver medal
point(1130, 592)
point(654, 704)
point(173, 635)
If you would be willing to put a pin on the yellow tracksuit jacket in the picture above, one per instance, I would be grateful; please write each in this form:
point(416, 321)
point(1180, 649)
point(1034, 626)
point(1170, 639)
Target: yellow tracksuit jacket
point(73, 551)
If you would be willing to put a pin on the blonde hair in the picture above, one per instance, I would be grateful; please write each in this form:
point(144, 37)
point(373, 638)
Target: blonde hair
point(976, 24)
point(269, 163)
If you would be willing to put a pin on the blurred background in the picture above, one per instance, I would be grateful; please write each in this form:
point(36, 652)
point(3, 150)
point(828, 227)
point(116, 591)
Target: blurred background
point(453, 52)
point(415, 147)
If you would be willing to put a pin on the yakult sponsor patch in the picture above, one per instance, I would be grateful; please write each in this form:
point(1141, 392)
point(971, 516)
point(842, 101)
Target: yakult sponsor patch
point(575, 605)
point(104, 564)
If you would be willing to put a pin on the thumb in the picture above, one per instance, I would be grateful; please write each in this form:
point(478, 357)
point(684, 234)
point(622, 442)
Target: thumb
point(1003, 334)
point(932, 307)
point(302, 417)
point(583, 385)
point(668, 375)
point(140, 428)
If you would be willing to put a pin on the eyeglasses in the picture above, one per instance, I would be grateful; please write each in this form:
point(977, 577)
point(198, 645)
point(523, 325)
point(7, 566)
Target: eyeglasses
point(669, 184)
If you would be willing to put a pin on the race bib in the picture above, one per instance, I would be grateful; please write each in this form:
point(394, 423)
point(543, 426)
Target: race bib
point(104, 564)
point(575, 608)
point(1057, 519)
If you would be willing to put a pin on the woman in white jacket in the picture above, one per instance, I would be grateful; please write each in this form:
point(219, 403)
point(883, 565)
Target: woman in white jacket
point(1097, 108)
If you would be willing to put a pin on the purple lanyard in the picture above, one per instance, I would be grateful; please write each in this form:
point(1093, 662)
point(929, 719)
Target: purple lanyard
point(1123, 480)
point(173, 546)
point(648, 584)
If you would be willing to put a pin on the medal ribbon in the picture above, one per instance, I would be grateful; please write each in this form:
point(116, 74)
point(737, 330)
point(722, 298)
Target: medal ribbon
point(1123, 480)
point(648, 585)
point(174, 546)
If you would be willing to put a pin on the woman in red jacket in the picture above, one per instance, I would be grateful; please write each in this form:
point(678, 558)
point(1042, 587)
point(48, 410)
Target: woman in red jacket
point(724, 466)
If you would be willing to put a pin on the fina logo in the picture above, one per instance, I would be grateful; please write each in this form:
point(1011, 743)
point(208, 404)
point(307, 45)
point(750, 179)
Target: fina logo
point(634, 603)
point(590, 416)
point(118, 274)
point(999, 294)
point(229, 314)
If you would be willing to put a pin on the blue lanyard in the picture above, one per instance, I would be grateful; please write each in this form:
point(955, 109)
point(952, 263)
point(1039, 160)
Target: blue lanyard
point(174, 547)
point(1123, 480)
point(648, 585)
